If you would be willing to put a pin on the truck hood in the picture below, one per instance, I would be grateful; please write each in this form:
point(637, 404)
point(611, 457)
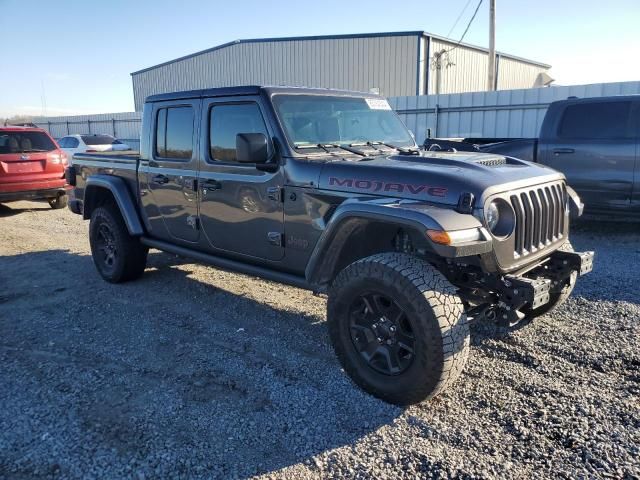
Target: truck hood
point(435, 177)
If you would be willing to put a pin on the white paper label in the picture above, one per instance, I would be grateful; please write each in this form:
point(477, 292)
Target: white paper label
point(378, 104)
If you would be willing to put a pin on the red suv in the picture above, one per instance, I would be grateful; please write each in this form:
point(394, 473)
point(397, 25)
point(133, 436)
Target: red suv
point(31, 166)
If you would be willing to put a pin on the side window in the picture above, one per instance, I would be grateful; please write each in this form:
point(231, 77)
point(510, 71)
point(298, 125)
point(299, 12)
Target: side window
point(72, 142)
point(174, 133)
point(226, 121)
point(598, 120)
point(63, 142)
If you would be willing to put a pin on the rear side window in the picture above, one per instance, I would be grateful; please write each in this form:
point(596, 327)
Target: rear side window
point(25, 142)
point(598, 120)
point(72, 142)
point(98, 139)
point(174, 132)
point(226, 121)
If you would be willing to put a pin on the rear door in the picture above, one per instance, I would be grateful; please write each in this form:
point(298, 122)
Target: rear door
point(241, 210)
point(169, 192)
point(28, 157)
point(595, 147)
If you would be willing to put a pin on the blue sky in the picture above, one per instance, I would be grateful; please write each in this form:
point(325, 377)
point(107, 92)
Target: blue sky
point(80, 53)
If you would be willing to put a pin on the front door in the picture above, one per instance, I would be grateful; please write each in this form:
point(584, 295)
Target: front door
point(595, 148)
point(241, 210)
point(168, 178)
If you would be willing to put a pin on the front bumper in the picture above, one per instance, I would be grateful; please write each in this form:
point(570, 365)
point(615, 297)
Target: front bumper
point(537, 287)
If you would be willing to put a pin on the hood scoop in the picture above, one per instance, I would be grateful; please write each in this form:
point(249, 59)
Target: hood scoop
point(491, 162)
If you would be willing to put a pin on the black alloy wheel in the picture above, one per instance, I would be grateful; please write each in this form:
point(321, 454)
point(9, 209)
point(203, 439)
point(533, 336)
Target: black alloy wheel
point(382, 333)
point(106, 246)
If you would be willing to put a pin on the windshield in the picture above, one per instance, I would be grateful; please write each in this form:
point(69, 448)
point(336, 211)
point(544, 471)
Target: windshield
point(324, 119)
point(99, 140)
point(25, 142)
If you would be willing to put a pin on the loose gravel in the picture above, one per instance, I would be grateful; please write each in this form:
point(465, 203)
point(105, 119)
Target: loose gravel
point(196, 372)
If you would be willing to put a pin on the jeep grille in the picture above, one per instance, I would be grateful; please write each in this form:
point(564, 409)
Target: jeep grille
point(540, 217)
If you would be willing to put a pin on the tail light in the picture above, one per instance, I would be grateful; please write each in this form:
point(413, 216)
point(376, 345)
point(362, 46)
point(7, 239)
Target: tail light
point(57, 158)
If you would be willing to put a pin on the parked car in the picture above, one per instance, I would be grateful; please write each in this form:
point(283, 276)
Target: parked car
point(595, 143)
point(73, 144)
point(31, 166)
point(327, 190)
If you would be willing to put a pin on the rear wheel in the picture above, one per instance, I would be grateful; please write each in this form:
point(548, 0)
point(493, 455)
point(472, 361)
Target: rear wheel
point(117, 255)
point(398, 327)
point(58, 202)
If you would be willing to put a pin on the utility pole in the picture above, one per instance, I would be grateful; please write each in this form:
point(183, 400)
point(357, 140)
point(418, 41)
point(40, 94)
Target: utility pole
point(491, 77)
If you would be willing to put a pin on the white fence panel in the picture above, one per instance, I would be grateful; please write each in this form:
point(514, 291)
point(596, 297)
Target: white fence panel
point(124, 126)
point(500, 114)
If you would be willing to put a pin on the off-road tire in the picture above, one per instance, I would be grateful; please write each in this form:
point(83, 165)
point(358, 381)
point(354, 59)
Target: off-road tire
point(557, 298)
point(438, 319)
point(58, 202)
point(130, 257)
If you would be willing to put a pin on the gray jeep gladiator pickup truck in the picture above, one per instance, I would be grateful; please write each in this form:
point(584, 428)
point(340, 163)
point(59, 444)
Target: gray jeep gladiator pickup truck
point(326, 190)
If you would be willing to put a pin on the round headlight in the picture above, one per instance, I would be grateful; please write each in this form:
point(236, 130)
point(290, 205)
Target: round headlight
point(500, 218)
point(492, 216)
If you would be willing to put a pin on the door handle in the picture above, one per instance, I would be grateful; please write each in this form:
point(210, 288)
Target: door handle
point(161, 179)
point(558, 151)
point(212, 185)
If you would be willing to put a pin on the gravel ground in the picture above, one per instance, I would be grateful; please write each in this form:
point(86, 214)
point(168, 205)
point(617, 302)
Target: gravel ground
point(195, 372)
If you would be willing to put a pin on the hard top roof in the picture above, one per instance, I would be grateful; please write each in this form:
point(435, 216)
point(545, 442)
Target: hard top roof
point(253, 90)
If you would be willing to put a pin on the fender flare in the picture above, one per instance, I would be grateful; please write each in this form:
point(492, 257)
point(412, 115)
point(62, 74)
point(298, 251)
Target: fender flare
point(414, 215)
point(122, 196)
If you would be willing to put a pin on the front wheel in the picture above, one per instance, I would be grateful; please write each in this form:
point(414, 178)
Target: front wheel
point(117, 255)
point(398, 327)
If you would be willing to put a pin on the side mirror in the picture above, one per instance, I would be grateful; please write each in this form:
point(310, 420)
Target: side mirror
point(251, 148)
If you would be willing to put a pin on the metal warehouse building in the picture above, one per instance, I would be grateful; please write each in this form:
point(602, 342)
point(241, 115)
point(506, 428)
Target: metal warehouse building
point(395, 64)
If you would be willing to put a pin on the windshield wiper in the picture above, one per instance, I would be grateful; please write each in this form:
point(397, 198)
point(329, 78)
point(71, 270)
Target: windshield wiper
point(327, 146)
point(403, 150)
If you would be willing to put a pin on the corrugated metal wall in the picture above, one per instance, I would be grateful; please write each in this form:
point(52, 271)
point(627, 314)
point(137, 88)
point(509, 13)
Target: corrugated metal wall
point(506, 113)
point(464, 69)
point(388, 63)
point(513, 73)
point(125, 125)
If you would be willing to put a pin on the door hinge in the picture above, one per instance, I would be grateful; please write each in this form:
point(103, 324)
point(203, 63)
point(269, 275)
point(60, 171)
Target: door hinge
point(276, 238)
point(275, 194)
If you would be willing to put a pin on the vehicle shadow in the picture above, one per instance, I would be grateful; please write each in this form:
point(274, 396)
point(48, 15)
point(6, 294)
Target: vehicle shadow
point(10, 209)
point(188, 370)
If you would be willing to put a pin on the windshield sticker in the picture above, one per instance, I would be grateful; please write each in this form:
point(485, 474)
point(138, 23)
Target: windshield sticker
point(378, 104)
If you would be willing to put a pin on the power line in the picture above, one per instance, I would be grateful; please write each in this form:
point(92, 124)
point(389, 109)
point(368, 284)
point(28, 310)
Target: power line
point(466, 29)
point(459, 17)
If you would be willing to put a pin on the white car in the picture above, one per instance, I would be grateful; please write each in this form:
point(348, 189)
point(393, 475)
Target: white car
point(90, 143)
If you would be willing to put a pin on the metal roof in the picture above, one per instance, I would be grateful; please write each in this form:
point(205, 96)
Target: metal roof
point(338, 37)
